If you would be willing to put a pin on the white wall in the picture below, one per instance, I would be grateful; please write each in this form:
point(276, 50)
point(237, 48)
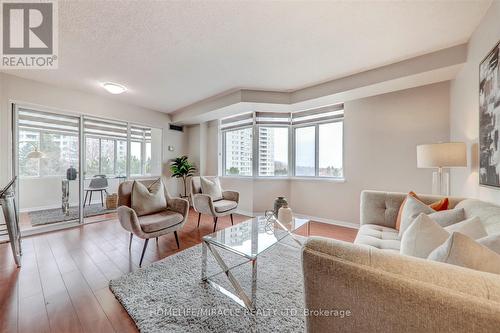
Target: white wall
point(380, 138)
point(20, 90)
point(464, 106)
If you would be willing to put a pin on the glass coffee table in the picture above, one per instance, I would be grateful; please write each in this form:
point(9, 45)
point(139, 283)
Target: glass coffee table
point(248, 239)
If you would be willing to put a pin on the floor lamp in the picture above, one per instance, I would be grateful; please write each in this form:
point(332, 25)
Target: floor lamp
point(439, 156)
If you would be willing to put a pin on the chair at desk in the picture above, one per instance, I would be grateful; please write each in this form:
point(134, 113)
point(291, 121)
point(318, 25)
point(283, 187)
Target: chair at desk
point(97, 184)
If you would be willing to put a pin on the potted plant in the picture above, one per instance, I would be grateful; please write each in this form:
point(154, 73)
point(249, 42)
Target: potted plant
point(182, 168)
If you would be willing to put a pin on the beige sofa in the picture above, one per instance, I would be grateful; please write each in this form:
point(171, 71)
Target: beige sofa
point(387, 292)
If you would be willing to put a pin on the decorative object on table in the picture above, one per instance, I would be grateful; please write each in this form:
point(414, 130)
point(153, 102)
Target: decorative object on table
point(489, 107)
point(71, 173)
point(278, 203)
point(8, 203)
point(285, 214)
point(439, 156)
point(182, 168)
point(35, 153)
point(97, 184)
point(112, 201)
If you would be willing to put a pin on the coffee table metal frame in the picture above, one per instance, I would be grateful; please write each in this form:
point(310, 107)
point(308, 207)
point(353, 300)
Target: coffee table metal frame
point(241, 296)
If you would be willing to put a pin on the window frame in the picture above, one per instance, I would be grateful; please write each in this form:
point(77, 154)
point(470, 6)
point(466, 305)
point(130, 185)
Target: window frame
point(316, 126)
point(291, 148)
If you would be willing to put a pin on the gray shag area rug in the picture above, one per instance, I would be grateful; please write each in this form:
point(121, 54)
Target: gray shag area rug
point(54, 215)
point(169, 296)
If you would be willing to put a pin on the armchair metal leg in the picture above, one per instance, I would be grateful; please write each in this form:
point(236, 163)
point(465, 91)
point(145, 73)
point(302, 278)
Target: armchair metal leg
point(143, 251)
point(176, 239)
point(85, 200)
point(215, 222)
point(231, 215)
point(156, 240)
point(199, 217)
point(102, 199)
point(130, 243)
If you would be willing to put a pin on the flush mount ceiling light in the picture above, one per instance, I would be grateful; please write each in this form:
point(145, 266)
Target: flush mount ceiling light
point(114, 88)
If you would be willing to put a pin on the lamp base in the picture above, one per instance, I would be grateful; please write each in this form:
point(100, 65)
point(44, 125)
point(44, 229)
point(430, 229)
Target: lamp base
point(441, 182)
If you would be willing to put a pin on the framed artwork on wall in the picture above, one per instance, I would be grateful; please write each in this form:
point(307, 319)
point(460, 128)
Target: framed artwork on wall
point(489, 119)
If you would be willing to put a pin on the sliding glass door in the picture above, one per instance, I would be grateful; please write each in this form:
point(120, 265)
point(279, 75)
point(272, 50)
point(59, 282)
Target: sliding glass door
point(106, 156)
point(69, 167)
point(47, 163)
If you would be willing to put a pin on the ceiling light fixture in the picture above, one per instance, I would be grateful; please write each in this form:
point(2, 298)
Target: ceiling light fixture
point(114, 88)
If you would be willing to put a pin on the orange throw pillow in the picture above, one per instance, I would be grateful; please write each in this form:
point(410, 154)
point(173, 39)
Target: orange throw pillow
point(437, 206)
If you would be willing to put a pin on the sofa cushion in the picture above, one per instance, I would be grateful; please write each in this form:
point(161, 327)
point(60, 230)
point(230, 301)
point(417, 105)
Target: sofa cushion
point(211, 187)
point(492, 242)
point(383, 238)
point(411, 209)
point(471, 227)
point(488, 213)
point(425, 234)
point(448, 217)
point(148, 199)
point(224, 205)
point(440, 205)
point(155, 222)
point(464, 251)
point(422, 237)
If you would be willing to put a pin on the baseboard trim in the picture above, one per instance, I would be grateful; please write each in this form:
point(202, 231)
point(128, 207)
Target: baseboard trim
point(309, 217)
point(246, 213)
point(329, 221)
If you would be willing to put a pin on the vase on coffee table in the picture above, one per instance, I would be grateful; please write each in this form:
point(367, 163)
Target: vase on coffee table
point(278, 203)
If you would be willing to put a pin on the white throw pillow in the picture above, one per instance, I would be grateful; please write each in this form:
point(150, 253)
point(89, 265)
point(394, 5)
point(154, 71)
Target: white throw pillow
point(471, 227)
point(422, 237)
point(463, 251)
point(492, 242)
point(412, 208)
point(448, 217)
point(148, 200)
point(211, 188)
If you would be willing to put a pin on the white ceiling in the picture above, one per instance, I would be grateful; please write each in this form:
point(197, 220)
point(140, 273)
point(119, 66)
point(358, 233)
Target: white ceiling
point(172, 54)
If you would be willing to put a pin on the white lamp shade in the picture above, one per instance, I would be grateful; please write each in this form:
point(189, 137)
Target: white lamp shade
point(442, 155)
point(35, 154)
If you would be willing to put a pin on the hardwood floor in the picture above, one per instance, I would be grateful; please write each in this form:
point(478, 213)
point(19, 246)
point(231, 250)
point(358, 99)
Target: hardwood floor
point(63, 283)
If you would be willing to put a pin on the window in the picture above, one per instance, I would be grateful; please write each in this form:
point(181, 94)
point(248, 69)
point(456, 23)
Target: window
point(238, 152)
point(273, 151)
point(330, 150)
point(121, 157)
point(105, 147)
point(314, 136)
point(145, 150)
point(92, 156)
point(108, 156)
point(135, 158)
point(56, 136)
point(305, 150)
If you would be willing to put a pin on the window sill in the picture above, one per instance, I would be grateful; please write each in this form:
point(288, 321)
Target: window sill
point(263, 178)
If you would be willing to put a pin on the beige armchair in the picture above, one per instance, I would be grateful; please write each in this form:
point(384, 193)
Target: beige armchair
point(155, 225)
point(203, 203)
